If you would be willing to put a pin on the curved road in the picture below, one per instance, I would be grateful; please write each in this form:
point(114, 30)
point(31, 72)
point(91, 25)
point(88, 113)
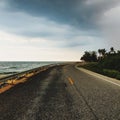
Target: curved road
point(61, 93)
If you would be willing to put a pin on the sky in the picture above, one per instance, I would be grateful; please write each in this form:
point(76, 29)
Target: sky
point(57, 30)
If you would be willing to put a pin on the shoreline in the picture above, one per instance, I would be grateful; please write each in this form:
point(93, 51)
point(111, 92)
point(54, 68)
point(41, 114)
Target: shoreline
point(8, 82)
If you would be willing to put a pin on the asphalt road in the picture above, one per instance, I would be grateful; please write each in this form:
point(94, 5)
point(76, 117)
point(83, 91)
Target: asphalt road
point(61, 93)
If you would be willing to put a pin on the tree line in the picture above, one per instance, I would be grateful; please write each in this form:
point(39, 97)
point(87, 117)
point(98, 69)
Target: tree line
point(93, 56)
point(104, 59)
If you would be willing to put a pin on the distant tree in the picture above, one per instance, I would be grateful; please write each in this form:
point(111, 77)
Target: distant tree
point(118, 52)
point(86, 56)
point(112, 51)
point(94, 56)
point(89, 56)
point(102, 53)
point(106, 60)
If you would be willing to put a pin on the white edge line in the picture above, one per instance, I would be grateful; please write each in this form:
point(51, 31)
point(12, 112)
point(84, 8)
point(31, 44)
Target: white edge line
point(98, 75)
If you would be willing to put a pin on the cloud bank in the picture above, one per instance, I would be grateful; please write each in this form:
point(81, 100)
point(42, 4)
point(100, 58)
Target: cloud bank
point(69, 26)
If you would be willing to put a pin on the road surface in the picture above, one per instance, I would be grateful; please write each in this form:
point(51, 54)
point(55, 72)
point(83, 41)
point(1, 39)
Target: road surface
point(61, 93)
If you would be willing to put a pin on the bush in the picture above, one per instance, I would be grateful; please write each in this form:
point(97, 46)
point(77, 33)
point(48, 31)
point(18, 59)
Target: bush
point(93, 67)
point(118, 77)
point(111, 73)
point(111, 62)
point(96, 67)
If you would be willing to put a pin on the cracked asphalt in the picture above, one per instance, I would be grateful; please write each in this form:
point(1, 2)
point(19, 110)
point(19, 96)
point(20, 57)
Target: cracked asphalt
point(61, 93)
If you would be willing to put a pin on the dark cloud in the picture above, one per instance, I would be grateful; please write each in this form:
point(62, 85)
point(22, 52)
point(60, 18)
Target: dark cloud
point(82, 15)
point(65, 11)
point(79, 13)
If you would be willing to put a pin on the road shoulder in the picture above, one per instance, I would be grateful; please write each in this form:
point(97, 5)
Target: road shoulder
point(105, 78)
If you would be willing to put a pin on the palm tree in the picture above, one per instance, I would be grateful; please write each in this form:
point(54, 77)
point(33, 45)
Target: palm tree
point(94, 56)
point(102, 53)
point(112, 51)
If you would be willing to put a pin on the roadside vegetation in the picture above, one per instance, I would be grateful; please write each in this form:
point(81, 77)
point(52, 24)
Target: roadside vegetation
point(103, 62)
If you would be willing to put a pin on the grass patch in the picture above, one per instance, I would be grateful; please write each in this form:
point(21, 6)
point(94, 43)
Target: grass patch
point(111, 73)
point(93, 67)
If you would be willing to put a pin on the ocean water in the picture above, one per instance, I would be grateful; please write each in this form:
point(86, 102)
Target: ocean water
point(16, 67)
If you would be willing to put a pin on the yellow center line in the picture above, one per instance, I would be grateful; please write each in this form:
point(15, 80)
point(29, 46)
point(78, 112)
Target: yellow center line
point(70, 80)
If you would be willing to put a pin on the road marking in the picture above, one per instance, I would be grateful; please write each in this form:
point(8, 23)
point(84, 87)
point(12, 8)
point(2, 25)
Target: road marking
point(70, 80)
point(102, 77)
point(112, 82)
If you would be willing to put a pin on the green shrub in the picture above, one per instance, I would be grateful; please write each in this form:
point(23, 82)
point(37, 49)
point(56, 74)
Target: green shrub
point(118, 77)
point(111, 62)
point(111, 73)
point(96, 67)
point(93, 67)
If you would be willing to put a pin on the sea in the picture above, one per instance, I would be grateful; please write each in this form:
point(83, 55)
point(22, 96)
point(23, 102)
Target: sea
point(8, 68)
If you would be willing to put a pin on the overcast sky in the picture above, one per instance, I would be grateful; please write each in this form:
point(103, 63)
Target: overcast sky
point(57, 30)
